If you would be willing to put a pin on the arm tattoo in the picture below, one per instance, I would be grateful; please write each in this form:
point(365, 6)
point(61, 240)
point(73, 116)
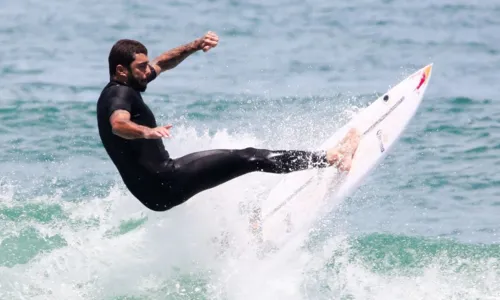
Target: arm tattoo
point(175, 56)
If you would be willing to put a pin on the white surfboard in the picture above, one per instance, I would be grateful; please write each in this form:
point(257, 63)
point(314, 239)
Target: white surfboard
point(305, 196)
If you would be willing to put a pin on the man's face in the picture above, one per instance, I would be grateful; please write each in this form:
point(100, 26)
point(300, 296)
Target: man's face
point(139, 72)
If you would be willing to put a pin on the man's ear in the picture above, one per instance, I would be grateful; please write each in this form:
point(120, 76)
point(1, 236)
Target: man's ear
point(121, 70)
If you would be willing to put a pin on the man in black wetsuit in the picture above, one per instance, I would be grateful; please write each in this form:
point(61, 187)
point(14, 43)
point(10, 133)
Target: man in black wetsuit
point(133, 140)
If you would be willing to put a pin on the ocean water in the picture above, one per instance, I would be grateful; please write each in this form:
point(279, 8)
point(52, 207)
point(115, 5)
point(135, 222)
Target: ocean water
point(286, 74)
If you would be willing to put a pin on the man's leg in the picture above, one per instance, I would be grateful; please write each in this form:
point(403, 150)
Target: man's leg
point(203, 170)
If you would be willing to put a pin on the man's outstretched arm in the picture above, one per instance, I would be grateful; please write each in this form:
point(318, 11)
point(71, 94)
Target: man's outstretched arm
point(171, 58)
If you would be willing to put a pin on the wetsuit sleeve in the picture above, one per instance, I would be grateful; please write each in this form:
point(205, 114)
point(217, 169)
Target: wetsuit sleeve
point(122, 99)
point(153, 74)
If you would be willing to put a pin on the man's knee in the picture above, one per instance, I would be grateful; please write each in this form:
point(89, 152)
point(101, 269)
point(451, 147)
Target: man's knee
point(159, 202)
point(250, 153)
point(156, 205)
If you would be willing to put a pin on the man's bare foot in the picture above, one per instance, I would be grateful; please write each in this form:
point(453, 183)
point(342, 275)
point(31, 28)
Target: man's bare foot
point(342, 155)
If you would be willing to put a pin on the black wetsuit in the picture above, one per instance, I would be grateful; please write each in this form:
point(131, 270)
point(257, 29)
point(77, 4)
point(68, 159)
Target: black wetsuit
point(161, 182)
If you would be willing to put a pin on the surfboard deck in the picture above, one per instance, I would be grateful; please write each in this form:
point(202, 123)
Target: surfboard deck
point(302, 197)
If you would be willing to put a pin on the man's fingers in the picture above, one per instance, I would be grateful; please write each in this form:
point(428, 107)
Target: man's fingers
point(212, 38)
point(165, 131)
point(157, 133)
point(205, 47)
point(160, 132)
point(212, 34)
point(208, 46)
point(210, 43)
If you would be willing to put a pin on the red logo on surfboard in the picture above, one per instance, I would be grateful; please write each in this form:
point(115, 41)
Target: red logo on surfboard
point(425, 75)
point(422, 80)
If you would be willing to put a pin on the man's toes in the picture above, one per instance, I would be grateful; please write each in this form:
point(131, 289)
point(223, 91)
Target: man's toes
point(345, 165)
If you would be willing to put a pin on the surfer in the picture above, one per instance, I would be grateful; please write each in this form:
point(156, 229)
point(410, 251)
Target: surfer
point(133, 140)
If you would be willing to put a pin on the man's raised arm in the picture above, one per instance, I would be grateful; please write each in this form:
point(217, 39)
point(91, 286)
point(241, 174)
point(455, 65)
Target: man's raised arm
point(171, 58)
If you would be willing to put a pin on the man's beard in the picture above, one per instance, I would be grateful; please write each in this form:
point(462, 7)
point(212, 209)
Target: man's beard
point(136, 84)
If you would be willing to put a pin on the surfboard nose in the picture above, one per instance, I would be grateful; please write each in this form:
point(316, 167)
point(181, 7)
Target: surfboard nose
point(428, 70)
point(426, 73)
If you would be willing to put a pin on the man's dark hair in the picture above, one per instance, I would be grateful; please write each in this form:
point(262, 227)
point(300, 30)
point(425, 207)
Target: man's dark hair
point(123, 53)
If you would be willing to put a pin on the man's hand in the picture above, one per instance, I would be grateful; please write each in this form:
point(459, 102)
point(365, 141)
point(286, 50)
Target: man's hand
point(158, 132)
point(209, 41)
point(125, 128)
